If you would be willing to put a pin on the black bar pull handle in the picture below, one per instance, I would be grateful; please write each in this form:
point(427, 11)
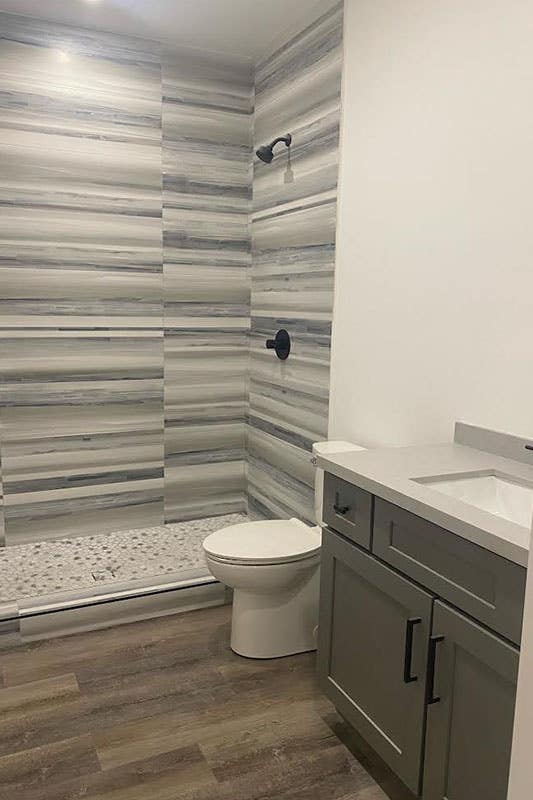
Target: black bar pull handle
point(337, 508)
point(409, 636)
point(433, 642)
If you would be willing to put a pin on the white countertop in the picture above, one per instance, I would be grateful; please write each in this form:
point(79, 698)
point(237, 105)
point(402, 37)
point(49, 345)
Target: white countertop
point(391, 473)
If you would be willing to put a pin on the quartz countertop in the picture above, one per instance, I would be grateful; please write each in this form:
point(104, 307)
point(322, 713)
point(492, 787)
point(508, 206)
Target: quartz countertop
point(392, 473)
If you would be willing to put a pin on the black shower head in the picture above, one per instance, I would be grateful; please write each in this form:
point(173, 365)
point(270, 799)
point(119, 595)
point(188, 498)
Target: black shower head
point(266, 151)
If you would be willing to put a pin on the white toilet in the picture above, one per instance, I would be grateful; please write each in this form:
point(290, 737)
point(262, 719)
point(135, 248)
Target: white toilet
point(273, 567)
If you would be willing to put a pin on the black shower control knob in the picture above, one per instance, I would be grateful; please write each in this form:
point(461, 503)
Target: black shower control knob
point(281, 344)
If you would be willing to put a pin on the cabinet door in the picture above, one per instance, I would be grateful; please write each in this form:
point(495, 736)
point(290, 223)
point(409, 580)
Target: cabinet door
point(373, 640)
point(470, 721)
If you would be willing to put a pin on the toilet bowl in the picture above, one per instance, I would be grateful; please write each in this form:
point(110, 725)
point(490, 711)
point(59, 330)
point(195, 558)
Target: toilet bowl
point(273, 567)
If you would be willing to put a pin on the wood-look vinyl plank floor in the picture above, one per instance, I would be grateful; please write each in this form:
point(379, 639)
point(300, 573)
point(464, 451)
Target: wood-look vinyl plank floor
point(164, 710)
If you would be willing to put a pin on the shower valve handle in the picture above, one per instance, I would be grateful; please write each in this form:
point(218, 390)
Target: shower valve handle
point(281, 344)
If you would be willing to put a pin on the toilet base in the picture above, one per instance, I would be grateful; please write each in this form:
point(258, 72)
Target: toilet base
point(272, 626)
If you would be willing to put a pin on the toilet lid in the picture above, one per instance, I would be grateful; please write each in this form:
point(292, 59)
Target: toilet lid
point(269, 542)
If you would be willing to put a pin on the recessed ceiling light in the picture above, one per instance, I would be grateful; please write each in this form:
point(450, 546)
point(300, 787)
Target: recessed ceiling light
point(63, 55)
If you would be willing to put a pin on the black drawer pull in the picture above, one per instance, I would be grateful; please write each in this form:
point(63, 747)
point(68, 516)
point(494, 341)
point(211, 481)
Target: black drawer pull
point(433, 642)
point(409, 635)
point(341, 510)
point(337, 508)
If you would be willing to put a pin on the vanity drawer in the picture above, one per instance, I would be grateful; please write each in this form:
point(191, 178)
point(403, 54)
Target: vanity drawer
point(348, 510)
point(484, 585)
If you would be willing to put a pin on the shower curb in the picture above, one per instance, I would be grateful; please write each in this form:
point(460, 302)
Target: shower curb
point(103, 606)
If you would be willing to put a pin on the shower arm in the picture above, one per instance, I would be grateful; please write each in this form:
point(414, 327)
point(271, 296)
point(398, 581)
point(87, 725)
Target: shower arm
point(287, 139)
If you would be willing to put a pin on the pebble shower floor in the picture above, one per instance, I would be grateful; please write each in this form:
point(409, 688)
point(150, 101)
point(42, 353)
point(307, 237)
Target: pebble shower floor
point(43, 568)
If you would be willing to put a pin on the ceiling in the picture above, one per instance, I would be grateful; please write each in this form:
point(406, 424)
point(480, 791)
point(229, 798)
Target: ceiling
point(243, 27)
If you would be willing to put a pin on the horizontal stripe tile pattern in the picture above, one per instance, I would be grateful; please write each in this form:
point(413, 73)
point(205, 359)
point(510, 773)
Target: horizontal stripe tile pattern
point(81, 272)
point(82, 443)
point(134, 384)
point(108, 146)
point(207, 118)
point(2, 525)
point(297, 90)
point(80, 186)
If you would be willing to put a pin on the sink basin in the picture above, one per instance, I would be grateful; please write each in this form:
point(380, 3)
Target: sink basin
point(497, 494)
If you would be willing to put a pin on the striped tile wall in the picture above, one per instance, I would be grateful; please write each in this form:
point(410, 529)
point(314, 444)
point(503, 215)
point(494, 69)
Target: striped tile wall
point(297, 90)
point(126, 377)
point(2, 527)
point(207, 116)
point(81, 274)
point(107, 148)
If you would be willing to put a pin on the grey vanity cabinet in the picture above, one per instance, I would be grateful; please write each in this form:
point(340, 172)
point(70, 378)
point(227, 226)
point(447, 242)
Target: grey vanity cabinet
point(415, 644)
point(470, 726)
point(373, 644)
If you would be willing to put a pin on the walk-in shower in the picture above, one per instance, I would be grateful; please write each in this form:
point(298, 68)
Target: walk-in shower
point(144, 266)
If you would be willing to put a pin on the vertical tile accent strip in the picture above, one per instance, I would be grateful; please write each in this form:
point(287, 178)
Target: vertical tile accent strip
point(2, 526)
point(297, 91)
point(207, 118)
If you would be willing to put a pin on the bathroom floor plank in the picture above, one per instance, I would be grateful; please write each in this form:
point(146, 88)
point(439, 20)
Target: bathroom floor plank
point(164, 710)
point(158, 778)
point(113, 649)
point(145, 691)
point(28, 709)
point(30, 771)
point(25, 698)
point(119, 744)
point(292, 745)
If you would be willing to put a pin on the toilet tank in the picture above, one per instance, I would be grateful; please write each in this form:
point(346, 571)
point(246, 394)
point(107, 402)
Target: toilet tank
point(326, 448)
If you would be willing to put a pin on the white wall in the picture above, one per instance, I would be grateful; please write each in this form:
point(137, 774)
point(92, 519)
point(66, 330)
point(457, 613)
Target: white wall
point(433, 315)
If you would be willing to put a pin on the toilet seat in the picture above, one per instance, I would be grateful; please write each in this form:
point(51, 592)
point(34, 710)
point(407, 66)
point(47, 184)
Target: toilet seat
point(280, 541)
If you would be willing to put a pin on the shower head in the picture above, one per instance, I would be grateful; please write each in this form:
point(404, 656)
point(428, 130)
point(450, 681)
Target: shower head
point(266, 151)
